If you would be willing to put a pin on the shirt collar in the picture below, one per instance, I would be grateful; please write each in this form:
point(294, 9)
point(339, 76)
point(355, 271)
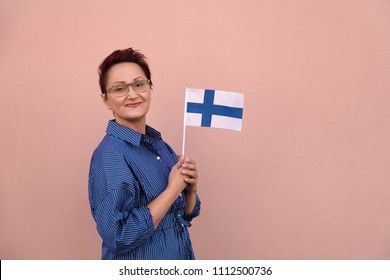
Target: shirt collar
point(128, 134)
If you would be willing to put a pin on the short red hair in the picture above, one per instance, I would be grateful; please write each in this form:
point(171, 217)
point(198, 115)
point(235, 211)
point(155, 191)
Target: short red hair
point(119, 56)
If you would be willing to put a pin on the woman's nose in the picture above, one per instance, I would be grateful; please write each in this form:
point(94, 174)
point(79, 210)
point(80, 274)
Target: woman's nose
point(132, 93)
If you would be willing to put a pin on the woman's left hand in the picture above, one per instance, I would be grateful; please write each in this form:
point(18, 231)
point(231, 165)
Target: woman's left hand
point(188, 169)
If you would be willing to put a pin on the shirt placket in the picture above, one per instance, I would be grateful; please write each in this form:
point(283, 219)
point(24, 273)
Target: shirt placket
point(167, 160)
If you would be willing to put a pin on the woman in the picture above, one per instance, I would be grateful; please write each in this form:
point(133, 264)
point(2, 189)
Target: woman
point(142, 196)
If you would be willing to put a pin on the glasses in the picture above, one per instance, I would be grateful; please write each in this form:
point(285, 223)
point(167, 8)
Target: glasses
point(121, 90)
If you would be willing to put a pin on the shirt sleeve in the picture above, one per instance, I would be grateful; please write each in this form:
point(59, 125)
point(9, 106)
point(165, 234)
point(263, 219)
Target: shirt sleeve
point(113, 195)
point(195, 212)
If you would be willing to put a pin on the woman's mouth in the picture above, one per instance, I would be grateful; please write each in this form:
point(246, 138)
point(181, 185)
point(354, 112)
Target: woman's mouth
point(133, 105)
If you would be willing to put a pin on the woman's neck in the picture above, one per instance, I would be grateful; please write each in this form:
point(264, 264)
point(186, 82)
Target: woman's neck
point(139, 125)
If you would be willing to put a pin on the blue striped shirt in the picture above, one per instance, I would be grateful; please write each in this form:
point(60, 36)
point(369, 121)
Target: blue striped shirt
point(129, 170)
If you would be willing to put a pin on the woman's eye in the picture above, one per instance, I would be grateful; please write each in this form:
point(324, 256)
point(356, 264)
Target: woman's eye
point(119, 89)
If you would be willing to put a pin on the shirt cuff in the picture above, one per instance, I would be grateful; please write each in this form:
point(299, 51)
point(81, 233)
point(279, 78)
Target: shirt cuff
point(146, 223)
point(195, 212)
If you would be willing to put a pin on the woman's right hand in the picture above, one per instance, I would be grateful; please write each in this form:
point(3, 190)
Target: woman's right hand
point(176, 181)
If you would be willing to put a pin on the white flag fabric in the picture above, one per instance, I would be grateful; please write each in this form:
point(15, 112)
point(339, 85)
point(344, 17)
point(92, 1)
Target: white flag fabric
point(214, 108)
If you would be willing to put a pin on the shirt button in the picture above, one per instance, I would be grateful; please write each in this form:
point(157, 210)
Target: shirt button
point(158, 158)
point(180, 194)
point(182, 225)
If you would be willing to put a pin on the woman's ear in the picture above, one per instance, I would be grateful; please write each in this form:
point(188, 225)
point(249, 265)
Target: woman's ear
point(105, 101)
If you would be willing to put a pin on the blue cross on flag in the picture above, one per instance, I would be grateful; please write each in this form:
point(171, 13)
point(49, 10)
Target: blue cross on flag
point(214, 108)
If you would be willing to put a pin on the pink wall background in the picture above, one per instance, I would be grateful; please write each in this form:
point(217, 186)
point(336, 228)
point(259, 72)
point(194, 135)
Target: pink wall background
point(308, 178)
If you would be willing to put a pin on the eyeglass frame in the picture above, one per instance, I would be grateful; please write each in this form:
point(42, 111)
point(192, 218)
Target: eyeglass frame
point(128, 87)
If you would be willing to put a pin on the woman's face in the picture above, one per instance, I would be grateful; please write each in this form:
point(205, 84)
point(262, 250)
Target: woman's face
point(131, 109)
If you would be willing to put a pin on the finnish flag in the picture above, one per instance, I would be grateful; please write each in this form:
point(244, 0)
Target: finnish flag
point(214, 108)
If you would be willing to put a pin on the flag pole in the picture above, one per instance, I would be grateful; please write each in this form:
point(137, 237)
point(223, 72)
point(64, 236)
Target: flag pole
point(185, 121)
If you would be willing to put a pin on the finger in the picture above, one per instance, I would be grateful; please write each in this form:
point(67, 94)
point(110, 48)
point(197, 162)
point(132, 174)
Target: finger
point(189, 173)
point(191, 166)
point(190, 180)
point(180, 162)
point(189, 160)
point(186, 158)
